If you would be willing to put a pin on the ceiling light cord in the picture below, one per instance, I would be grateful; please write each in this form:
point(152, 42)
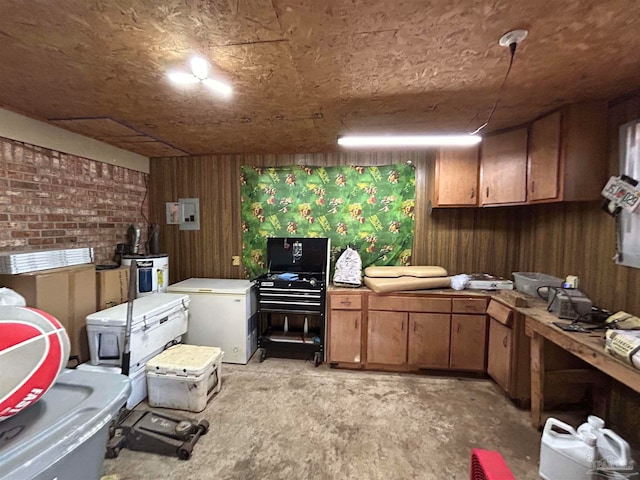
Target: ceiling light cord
point(512, 50)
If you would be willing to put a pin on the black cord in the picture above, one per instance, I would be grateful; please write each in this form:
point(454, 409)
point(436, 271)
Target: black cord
point(512, 50)
point(548, 287)
point(146, 191)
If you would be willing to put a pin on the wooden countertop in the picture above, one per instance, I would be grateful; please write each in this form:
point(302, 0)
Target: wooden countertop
point(435, 291)
point(587, 346)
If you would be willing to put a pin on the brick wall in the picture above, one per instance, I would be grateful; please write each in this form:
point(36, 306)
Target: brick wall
point(52, 200)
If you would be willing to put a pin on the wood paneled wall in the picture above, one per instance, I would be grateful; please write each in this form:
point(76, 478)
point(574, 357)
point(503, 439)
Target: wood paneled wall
point(558, 239)
point(461, 240)
point(579, 238)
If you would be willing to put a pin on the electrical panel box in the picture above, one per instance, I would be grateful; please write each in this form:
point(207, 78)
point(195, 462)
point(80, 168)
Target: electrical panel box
point(189, 213)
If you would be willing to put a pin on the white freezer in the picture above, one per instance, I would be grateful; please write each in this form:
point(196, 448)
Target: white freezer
point(222, 313)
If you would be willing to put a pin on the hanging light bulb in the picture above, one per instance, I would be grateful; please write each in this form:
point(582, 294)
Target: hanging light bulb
point(200, 67)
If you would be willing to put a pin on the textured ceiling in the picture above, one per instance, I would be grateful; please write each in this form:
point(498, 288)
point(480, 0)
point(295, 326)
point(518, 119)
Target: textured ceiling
point(305, 71)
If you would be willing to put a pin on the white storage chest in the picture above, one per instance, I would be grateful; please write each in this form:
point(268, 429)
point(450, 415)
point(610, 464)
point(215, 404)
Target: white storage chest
point(138, 380)
point(184, 377)
point(222, 314)
point(158, 319)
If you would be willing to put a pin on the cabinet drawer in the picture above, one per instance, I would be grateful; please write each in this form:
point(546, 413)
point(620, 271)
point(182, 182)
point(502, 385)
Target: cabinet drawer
point(345, 301)
point(500, 312)
point(469, 305)
point(410, 304)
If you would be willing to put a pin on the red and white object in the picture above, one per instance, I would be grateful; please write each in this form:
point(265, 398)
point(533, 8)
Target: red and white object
point(34, 349)
point(622, 194)
point(489, 465)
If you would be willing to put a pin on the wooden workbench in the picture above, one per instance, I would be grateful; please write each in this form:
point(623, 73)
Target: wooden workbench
point(586, 346)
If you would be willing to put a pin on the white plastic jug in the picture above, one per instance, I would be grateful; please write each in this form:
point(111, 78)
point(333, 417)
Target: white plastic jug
point(612, 450)
point(566, 455)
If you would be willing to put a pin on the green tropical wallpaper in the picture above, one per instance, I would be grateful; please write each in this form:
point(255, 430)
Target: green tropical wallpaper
point(370, 209)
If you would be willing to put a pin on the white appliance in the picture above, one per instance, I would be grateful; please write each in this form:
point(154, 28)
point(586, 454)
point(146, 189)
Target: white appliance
point(222, 314)
point(153, 273)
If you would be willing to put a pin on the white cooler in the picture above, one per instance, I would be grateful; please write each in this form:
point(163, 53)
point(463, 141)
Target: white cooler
point(137, 379)
point(158, 319)
point(184, 377)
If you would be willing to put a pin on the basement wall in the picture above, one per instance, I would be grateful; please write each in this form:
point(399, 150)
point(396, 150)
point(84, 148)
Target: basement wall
point(559, 239)
point(53, 200)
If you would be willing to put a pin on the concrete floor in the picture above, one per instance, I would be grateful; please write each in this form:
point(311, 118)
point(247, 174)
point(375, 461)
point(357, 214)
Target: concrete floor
point(285, 419)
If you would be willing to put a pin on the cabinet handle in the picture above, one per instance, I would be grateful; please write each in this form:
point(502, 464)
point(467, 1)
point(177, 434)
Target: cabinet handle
point(504, 341)
point(487, 192)
point(533, 186)
point(473, 192)
point(458, 328)
point(345, 302)
point(414, 327)
point(356, 323)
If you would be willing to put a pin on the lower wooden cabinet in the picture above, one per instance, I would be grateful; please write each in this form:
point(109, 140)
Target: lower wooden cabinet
point(499, 364)
point(468, 342)
point(407, 332)
point(345, 323)
point(345, 336)
point(429, 340)
point(387, 337)
point(412, 332)
point(508, 360)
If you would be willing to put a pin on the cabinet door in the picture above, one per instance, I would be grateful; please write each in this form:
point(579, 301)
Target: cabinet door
point(503, 168)
point(468, 342)
point(544, 158)
point(387, 337)
point(345, 327)
point(429, 340)
point(500, 350)
point(456, 181)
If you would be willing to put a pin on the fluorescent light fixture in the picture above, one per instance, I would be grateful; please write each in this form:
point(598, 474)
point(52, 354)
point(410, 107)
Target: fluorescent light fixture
point(359, 141)
point(218, 86)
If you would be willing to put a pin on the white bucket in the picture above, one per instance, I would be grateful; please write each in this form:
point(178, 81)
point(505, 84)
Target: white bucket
point(613, 452)
point(566, 455)
point(153, 273)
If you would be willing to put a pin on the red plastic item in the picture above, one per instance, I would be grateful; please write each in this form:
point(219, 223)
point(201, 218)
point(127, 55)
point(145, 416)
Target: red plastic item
point(489, 465)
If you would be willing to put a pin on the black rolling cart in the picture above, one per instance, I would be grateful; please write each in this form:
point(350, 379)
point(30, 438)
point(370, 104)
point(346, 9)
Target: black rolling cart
point(292, 299)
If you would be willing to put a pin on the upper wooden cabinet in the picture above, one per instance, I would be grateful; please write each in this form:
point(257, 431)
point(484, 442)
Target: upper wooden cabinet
point(559, 157)
point(544, 158)
point(567, 154)
point(456, 177)
point(503, 168)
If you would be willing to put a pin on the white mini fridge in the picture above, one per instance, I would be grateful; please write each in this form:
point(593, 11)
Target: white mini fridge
point(222, 313)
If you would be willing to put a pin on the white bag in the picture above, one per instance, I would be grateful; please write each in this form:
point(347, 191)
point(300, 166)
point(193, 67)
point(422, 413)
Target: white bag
point(348, 269)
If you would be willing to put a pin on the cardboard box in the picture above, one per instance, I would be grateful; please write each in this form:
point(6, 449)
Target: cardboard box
point(111, 287)
point(67, 293)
